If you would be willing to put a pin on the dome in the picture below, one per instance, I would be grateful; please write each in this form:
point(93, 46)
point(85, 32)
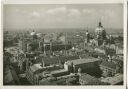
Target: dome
point(99, 29)
point(87, 32)
point(33, 33)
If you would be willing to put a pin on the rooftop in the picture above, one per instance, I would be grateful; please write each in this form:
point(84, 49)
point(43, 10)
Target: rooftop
point(82, 61)
point(89, 79)
point(113, 80)
point(36, 67)
point(108, 64)
point(58, 71)
point(54, 59)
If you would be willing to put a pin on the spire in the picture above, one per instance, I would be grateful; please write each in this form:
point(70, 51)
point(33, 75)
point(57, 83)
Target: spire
point(100, 24)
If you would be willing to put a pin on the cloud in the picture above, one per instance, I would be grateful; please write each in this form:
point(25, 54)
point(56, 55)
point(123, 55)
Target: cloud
point(21, 11)
point(88, 11)
point(35, 14)
point(74, 12)
point(57, 10)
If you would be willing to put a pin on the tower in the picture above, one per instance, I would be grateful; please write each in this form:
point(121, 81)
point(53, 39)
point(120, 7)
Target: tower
point(34, 36)
point(99, 29)
point(87, 36)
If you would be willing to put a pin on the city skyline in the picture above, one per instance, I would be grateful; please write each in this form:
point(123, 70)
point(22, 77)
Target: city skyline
point(81, 44)
point(62, 16)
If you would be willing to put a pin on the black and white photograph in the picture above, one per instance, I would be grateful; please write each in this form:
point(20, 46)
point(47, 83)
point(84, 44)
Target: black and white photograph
point(63, 44)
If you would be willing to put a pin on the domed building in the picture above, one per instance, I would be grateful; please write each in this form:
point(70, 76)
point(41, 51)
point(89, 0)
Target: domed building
point(100, 29)
point(100, 34)
point(34, 35)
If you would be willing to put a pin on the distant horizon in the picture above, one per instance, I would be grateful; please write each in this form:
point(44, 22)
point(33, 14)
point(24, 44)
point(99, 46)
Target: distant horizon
point(45, 30)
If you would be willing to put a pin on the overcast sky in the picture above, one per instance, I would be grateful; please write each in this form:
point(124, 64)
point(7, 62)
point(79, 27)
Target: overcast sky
point(62, 16)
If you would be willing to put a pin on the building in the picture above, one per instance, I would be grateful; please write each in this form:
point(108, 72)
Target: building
point(86, 79)
point(100, 34)
point(46, 61)
point(108, 68)
point(60, 72)
point(21, 60)
point(31, 73)
point(34, 35)
point(87, 37)
point(23, 45)
point(119, 50)
point(37, 72)
point(100, 50)
point(85, 64)
point(46, 81)
point(10, 77)
point(116, 80)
